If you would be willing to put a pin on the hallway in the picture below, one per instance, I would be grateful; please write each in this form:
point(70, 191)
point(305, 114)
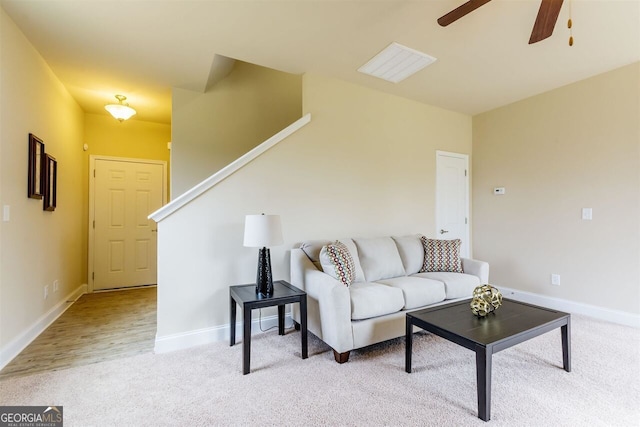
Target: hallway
point(97, 327)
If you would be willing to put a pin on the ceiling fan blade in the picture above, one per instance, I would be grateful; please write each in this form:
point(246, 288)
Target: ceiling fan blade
point(546, 20)
point(461, 11)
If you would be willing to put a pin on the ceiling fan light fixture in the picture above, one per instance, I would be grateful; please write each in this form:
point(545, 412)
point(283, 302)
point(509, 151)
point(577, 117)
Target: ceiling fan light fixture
point(396, 62)
point(120, 111)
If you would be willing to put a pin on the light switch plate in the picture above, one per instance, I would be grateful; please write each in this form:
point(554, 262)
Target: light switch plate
point(587, 214)
point(499, 191)
point(6, 213)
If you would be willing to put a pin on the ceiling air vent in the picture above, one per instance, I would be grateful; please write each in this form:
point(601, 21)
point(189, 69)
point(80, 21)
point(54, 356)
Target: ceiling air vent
point(396, 62)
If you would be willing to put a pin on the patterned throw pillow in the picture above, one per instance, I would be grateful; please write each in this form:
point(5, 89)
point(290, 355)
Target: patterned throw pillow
point(441, 255)
point(341, 260)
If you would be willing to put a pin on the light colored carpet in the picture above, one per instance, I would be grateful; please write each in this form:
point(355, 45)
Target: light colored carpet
point(204, 385)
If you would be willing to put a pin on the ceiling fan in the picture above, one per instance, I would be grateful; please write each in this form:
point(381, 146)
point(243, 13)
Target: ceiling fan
point(543, 27)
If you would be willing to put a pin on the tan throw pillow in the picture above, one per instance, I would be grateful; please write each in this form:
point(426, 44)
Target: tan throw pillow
point(441, 255)
point(336, 261)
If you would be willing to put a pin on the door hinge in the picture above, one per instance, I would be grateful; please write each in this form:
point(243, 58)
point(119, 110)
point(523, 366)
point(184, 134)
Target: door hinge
point(465, 172)
point(94, 173)
point(465, 221)
point(93, 276)
point(94, 223)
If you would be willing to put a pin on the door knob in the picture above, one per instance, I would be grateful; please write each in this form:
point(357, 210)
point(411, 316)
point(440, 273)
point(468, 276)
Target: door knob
point(443, 231)
point(154, 231)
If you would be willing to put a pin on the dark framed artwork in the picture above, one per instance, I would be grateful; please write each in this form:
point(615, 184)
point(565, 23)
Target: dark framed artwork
point(50, 183)
point(36, 166)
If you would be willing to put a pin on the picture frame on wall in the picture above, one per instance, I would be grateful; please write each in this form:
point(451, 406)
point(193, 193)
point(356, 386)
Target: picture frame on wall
point(36, 163)
point(50, 183)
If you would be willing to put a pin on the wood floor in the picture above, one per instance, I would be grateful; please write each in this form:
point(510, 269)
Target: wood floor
point(97, 327)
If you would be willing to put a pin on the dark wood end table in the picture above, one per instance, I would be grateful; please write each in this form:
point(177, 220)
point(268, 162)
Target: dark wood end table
point(512, 323)
point(245, 296)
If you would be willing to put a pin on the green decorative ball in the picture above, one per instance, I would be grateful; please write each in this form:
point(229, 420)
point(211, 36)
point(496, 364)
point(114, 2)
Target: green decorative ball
point(486, 299)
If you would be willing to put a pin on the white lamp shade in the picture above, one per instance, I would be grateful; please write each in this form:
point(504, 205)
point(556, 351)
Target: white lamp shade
point(261, 231)
point(120, 111)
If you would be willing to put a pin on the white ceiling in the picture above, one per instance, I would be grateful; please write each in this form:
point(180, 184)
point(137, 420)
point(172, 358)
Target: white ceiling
point(143, 48)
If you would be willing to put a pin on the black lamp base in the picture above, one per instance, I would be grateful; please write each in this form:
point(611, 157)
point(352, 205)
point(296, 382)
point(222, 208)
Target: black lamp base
point(264, 281)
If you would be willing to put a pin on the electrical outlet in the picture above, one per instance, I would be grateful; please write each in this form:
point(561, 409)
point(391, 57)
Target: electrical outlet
point(55, 286)
point(555, 279)
point(46, 291)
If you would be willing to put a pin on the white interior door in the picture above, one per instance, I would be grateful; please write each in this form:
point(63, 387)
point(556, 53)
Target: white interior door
point(125, 192)
point(452, 198)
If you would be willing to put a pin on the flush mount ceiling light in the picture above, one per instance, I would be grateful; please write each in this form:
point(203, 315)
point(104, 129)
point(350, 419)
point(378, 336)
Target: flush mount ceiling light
point(120, 111)
point(396, 62)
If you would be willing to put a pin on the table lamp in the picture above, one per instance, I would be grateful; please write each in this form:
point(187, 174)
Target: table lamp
point(263, 231)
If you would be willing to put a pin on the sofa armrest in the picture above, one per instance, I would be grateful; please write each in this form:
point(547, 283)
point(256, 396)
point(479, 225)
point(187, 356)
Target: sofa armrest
point(334, 303)
point(328, 302)
point(299, 263)
point(477, 268)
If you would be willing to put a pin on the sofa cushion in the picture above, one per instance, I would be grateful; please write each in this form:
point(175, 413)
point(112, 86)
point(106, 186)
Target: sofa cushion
point(374, 299)
point(312, 249)
point(336, 261)
point(411, 252)
point(441, 255)
point(379, 258)
point(417, 291)
point(456, 285)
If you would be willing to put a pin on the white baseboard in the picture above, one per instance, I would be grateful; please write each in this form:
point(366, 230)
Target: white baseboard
point(609, 315)
point(13, 348)
point(196, 337)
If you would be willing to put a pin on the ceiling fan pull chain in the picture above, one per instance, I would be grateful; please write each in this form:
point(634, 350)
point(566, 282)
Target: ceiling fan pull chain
point(570, 26)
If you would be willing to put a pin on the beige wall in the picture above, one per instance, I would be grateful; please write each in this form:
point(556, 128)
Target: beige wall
point(210, 130)
point(137, 139)
point(556, 153)
point(38, 247)
point(364, 166)
point(106, 136)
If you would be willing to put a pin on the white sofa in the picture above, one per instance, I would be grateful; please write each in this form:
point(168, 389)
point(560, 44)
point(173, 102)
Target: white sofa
point(388, 283)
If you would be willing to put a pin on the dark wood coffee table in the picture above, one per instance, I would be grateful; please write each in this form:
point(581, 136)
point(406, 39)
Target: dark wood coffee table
point(513, 323)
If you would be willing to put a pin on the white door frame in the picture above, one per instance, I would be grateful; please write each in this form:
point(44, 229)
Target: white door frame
point(92, 168)
point(465, 157)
